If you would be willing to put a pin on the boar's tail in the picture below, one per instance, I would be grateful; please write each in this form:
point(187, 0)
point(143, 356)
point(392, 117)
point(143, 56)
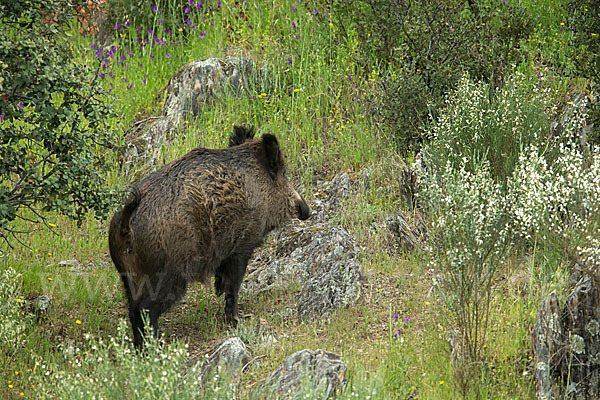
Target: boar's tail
point(133, 201)
point(120, 238)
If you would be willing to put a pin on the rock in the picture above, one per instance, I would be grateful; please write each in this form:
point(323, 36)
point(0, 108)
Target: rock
point(229, 357)
point(73, 265)
point(339, 188)
point(567, 344)
point(201, 82)
point(409, 186)
point(335, 282)
point(322, 370)
point(41, 307)
point(404, 232)
point(144, 142)
point(570, 121)
point(324, 258)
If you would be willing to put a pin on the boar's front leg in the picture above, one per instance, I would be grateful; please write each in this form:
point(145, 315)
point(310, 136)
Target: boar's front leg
point(228, 280)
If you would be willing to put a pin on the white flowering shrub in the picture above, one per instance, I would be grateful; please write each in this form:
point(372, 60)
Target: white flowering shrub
point(112, 369)
point(469, 239)
point(497, 179)
point(12, 324)
point(558, 203)
point(477, 126)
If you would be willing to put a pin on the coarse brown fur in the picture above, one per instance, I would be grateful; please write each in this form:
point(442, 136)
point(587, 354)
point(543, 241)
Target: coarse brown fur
point(197, 217)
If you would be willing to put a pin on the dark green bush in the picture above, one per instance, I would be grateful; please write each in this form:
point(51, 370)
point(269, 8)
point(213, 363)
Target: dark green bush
point(425, 47)
point(52, 120)
point(585, 22)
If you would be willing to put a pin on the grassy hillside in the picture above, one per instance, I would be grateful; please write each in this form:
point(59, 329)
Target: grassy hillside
point(333, 90)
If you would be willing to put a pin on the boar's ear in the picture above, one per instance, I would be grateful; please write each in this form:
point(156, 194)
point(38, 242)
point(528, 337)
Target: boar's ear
point(240, 135)
point(273, 158)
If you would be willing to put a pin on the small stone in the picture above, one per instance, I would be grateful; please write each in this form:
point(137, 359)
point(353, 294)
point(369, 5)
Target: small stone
point(229, 357)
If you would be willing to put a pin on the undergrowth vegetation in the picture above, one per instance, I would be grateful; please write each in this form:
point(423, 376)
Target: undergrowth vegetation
point(464, 92)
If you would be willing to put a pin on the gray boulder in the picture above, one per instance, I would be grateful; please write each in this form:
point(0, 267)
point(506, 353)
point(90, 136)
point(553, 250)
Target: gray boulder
point(404, 231)
point(567, 344)
point(229, 357)
point(569, 122)
point(334, 281)
point(201, 82)
point(324, 258)
point(144, 142)
point(317, 371)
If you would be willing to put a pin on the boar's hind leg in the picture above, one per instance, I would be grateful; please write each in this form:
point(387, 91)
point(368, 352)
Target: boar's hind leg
point(228, 280)
point(167, 290)
point(137, 324)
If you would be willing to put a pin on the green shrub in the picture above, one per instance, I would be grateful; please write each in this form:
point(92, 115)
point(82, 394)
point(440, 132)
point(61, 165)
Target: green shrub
point(11, 324)
point(584, 21)
point(53, 131)
point(423, 49)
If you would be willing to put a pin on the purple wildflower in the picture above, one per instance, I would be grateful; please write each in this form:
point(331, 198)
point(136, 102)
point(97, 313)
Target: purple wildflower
point(168, 55)
point(155, 8)
point(117, 26)
point(289, 60)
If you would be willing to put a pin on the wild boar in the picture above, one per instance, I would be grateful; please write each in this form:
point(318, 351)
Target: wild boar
point(198, 217)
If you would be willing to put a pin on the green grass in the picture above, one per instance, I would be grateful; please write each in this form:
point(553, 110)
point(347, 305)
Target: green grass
point(312, 101)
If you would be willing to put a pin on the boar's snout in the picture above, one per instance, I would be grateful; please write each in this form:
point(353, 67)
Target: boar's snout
point(302, 209)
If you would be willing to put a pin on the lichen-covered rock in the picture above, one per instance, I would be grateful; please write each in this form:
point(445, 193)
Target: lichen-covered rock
point(405, 234)
point(335, 282)
point(321, 370)
point(567, 345)
point(324, 258)
point(571, 120)
point(201, 82)
point(144, 143)
point(229, 357)
point(41, 307)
